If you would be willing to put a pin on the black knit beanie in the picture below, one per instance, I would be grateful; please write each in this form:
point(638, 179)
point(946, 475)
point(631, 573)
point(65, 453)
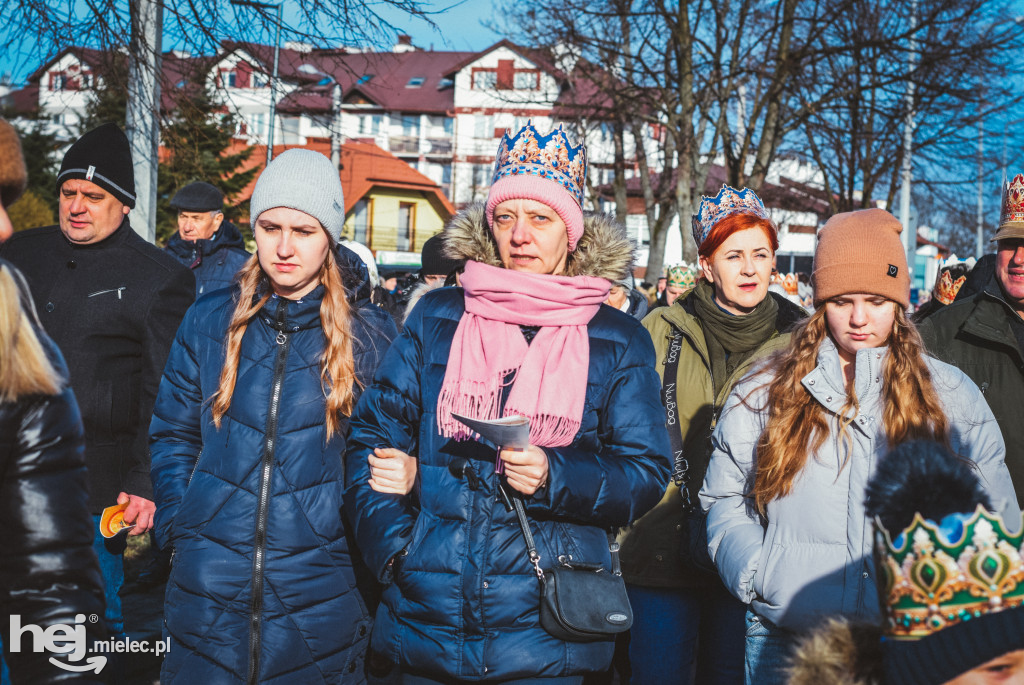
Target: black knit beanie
point(434, 261)
point(946, 654)
point(104, 157)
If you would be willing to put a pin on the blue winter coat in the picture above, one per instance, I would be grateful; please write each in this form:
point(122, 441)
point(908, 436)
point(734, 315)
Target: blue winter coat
point(262, 585)
point(214, 262)
point(463, 601)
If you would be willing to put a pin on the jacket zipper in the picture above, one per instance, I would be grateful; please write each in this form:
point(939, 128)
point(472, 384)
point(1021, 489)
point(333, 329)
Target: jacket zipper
point(269, 445)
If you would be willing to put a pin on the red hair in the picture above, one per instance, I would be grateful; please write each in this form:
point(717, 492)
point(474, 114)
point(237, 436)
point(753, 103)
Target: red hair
point(733, 223)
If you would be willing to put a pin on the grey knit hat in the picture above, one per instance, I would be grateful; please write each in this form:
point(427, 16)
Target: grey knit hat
point(304, 180)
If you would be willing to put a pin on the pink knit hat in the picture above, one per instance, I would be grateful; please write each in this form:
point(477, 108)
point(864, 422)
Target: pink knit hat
point(548, 169)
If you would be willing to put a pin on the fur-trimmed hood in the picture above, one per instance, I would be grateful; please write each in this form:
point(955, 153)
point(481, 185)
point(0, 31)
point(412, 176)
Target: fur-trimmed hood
point(839, 652)
point(604, 251)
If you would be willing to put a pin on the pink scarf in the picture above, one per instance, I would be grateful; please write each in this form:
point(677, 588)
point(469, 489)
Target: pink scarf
point(550, 381)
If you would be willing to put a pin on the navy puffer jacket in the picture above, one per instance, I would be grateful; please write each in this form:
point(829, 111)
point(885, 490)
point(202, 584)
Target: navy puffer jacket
point(263, 580)
point(463, 601)
point(214, 262)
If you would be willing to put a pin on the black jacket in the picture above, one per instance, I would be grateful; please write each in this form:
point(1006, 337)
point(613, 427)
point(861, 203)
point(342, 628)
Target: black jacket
point(48, 570)
point(979, 336)
point(214, 262)
point(112, 307)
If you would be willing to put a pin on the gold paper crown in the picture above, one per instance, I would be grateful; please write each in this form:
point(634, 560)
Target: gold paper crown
point(1012, 205)
point(946, 288)
point(935, 580)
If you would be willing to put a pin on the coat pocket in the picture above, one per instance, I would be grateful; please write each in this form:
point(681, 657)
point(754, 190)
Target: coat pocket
point(768, 552)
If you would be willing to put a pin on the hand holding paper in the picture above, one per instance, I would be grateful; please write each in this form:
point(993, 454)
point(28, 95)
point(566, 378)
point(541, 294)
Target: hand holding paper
point(524, 465)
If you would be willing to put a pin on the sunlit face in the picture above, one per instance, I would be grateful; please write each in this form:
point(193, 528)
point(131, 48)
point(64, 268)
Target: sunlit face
point(531, 237)
point(292, 247)
point(740, 270)
point(673, 292)
point(1007, 669)
point(194, 226)
point(859, 321)
point(617, 297)
point(87, 212)
point(1010, 271)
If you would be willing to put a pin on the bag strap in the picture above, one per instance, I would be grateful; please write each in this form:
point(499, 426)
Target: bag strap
point(670, 400)
point(531, 547)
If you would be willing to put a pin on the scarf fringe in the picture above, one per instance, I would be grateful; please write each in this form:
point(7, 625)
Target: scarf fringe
point(548, 430)
point(475, 399)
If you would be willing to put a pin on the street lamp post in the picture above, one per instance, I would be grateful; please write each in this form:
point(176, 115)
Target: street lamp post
point(273, 79)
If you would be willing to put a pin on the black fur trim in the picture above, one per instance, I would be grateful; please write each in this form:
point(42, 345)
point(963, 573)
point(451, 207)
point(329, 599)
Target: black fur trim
point(922, 477)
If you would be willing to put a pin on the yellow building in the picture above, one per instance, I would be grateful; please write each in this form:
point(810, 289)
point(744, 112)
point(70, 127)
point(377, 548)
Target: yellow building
point(391, 207)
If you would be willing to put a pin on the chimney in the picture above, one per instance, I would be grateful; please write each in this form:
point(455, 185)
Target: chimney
point(404, 44)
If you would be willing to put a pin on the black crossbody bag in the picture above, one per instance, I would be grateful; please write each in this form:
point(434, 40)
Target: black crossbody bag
point(694, 543)
point(579, 602)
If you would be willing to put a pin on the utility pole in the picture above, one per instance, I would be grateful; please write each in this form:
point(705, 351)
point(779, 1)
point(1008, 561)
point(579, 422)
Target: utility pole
point(143, 127)
point(336, 125)
point(979, 240)
point(909, 234)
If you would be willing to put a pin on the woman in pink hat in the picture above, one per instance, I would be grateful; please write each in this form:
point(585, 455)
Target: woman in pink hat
point(525, 335)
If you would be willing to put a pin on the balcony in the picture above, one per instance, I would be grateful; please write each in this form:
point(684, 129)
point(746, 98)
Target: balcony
point(404, 145)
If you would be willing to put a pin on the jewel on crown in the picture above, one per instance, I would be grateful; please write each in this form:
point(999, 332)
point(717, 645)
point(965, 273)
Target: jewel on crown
point(1013, 201)
point(930, 580)
point(729, 201)
point(550, 156)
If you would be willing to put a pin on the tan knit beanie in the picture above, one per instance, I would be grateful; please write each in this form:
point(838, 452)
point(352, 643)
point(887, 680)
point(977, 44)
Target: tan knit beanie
point(13, 177)
point(861, 252)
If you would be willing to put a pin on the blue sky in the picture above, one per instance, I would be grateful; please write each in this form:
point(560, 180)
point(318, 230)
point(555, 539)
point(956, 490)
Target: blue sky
point(459, 27)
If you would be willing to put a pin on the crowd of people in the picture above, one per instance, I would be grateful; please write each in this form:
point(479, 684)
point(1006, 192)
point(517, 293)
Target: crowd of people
point(516, 467)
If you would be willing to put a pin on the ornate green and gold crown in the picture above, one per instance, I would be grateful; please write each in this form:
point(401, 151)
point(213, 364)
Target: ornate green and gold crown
point(942, 575)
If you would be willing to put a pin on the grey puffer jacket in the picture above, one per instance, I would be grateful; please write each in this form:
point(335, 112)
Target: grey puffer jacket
point(810, 556)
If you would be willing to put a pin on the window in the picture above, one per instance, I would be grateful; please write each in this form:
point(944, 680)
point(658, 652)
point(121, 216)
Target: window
point(482, 127)
point(410, 124)
point(260, 80)
point(415, 82)
point(370, 124)
point(445, 83)
point(481, 175)
point(361, 223)
point(485, 79)
point(406, 226)
point(365, 78)
point(259, 125)
point(525, 80)
point(446, 174)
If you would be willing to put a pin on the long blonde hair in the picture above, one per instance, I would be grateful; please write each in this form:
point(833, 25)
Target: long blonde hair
point(337, 363)
point(797, 425)
point(24, 367)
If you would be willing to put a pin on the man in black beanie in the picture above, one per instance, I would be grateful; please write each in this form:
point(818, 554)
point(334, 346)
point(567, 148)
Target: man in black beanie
point(112, 302)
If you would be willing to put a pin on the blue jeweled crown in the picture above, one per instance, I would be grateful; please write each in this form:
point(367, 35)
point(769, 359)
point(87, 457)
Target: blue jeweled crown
point(550, 156)
point(729, 201)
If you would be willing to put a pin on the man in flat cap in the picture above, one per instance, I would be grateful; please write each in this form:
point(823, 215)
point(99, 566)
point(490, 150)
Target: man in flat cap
point(112, 302)
point(983, 334)
point(212, 247)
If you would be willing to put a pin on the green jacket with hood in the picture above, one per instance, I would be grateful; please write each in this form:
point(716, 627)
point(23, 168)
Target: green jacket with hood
point(651, 554)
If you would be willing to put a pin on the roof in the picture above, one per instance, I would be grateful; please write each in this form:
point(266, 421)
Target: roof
point(363, 167)
point(787, 194)
point(96, 59)
point(389, 75)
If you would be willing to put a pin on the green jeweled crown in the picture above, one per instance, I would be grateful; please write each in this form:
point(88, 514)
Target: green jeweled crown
point(932, 582)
